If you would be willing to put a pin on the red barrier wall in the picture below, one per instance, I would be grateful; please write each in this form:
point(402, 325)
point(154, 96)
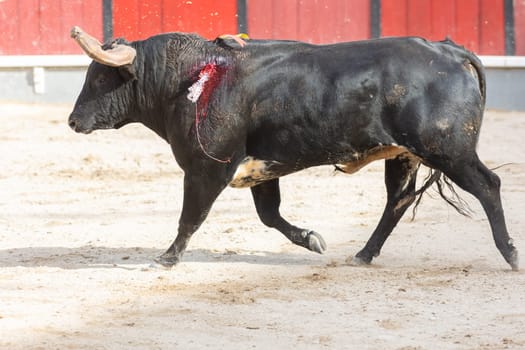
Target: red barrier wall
point(139, 19)
point(519, 26)
point(42, 26)
point(309, 20)
point(476, 24)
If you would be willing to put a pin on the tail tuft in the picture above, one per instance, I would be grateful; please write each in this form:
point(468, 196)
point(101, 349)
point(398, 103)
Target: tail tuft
point(443, 184)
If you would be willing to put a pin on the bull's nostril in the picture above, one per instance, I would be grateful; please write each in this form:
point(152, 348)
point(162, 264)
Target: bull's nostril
point(72, 123)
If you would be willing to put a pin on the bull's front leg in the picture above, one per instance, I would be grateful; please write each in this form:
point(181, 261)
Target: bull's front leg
point(200, 191)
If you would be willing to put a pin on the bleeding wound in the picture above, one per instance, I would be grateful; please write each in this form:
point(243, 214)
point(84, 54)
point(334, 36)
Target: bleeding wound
point(209, 77)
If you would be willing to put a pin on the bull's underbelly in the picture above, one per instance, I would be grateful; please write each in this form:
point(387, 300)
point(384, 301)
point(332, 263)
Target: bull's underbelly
point(252, 171)
point(376, 153)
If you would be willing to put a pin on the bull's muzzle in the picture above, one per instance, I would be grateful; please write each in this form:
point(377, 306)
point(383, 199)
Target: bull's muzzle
point(79, 124)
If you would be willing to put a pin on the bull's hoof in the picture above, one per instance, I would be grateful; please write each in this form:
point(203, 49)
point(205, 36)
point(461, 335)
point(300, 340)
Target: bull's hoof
point(357, 261)
point(360, 259)
point(167, 260)
point(514, 260)
point(315, 242)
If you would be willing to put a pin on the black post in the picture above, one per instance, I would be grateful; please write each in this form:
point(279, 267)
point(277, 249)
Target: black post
point(375, 18)
point(107, 19)
point(510, 41)
point(242, 17)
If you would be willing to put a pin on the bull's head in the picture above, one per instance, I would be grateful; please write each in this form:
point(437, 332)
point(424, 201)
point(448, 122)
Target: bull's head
point(106, 97)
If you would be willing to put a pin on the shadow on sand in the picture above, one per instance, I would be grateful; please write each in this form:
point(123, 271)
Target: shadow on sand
point(117, 257)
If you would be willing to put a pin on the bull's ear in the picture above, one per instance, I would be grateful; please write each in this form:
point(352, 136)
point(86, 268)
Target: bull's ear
point(127, 72)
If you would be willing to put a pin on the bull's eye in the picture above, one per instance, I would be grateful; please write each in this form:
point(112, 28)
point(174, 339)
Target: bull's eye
point(101, 80)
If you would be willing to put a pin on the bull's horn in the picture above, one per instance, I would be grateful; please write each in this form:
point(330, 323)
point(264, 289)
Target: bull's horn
point(118, 55)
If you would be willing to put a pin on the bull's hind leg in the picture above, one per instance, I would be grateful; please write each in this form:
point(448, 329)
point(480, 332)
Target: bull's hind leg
point(474, 177)
point(267, 200)
point(400, 180)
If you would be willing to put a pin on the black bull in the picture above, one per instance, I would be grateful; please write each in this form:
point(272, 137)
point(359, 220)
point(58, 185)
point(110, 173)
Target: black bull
point(245, 115)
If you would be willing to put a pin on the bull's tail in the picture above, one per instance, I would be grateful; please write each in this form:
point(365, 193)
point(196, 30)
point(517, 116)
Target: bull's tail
point(471, 62)
point(443, 184)
point(475, 62)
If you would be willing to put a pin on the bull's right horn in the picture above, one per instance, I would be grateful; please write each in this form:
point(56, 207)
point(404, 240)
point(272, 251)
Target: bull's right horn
point(118, 55)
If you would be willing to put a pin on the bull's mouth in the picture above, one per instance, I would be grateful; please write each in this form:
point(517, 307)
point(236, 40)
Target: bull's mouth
point(121, 124)
point(85, 132)
point(78, 125)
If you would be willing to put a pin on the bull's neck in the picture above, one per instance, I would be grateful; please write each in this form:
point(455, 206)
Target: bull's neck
point(169, 76)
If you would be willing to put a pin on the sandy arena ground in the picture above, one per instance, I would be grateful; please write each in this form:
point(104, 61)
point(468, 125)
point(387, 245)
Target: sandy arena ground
point(81, 218)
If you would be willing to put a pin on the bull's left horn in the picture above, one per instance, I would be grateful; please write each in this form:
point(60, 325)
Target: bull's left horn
point(118, 55)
